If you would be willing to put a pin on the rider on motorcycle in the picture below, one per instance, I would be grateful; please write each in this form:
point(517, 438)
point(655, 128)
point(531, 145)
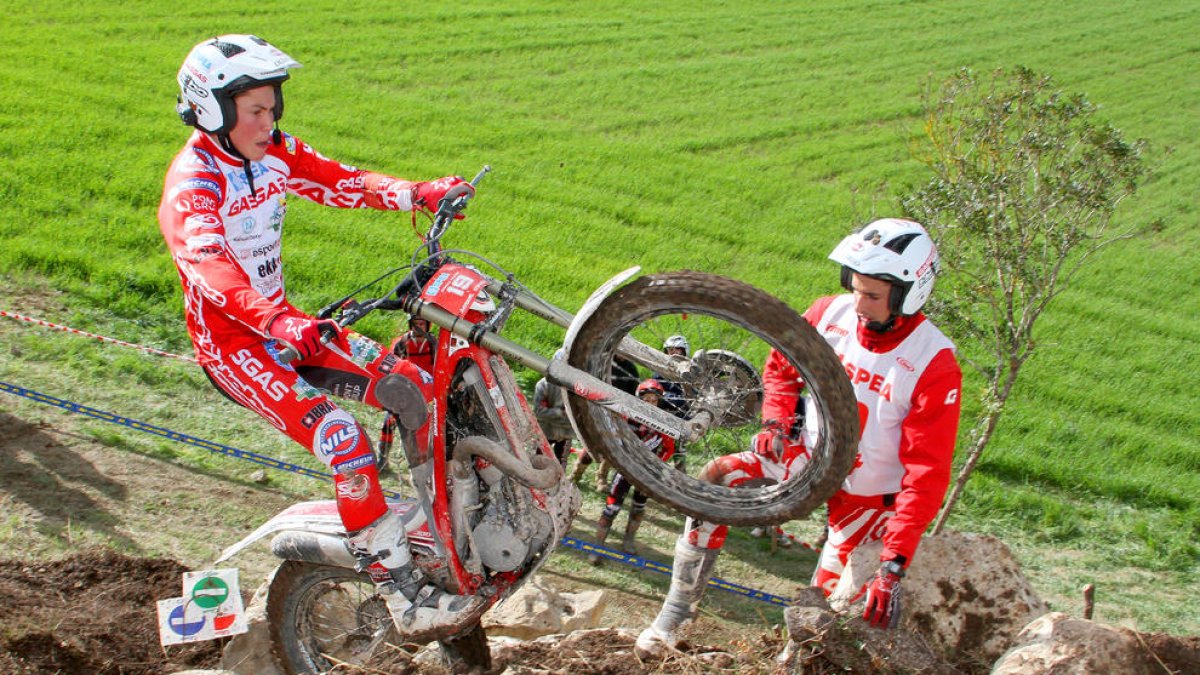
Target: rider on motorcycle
point(221, 214)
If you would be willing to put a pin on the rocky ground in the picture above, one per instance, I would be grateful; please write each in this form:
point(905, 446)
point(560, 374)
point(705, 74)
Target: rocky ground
point(66, 607)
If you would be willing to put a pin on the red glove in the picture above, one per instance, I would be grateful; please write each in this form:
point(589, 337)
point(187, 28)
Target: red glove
point(883, 597)
point(427, 195)
point(301, 332)
point(768, 443)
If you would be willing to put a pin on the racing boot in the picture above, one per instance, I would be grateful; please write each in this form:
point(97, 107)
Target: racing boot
point(421, 610)
point(631, 528)
point(602, 527)
point(691, 571)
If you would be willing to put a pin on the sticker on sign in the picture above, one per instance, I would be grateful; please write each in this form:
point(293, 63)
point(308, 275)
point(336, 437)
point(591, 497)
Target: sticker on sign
point(211, 607)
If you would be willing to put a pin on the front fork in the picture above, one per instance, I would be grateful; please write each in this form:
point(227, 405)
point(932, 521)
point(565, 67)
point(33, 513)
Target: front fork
point(578, 382)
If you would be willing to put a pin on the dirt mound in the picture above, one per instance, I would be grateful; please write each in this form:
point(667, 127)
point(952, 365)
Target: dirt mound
point(91, 613)
point(95, 613)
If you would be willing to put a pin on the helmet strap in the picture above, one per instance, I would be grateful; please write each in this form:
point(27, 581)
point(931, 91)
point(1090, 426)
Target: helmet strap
point(227, 146)
point(882, 326)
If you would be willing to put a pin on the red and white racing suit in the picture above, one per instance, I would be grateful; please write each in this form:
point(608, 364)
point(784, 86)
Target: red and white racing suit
point(907, 382)
point(415, 347)
point(225, 238)
point(663, 446)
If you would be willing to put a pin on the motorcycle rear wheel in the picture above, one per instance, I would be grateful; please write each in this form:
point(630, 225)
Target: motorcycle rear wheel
point(735, 325)
point(321, 616)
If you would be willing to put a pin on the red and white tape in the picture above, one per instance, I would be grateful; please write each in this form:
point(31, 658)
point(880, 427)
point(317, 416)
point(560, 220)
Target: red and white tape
point(76, 331)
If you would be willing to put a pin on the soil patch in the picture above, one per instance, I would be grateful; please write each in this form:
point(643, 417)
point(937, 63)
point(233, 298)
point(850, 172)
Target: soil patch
point(92, 613)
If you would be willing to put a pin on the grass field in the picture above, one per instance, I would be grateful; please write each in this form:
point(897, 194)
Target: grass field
point(740, 138)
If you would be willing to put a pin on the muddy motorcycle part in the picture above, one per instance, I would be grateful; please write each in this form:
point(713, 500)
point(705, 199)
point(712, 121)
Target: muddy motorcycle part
point(467, 652)
point(721, 316)
point(317, 613)
point(320, 616)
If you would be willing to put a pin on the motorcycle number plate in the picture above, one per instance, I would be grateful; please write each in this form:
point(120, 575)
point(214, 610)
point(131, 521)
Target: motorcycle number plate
point(455, 289)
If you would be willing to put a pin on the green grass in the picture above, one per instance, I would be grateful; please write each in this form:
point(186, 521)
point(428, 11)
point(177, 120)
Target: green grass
point(740, 138)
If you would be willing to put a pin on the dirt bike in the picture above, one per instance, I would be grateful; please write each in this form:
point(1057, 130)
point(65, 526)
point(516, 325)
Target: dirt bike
point(491, 501)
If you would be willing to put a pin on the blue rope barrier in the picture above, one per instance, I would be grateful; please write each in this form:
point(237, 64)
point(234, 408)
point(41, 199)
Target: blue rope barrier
point(654, 566)
point(634, 561)
point(162, 432)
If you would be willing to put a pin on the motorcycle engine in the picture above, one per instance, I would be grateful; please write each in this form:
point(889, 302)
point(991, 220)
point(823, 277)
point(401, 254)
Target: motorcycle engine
point(512, 530)
point(498, 546)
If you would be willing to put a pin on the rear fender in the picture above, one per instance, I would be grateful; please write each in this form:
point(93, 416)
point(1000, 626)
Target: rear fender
point(317, 527)
point(318, 517)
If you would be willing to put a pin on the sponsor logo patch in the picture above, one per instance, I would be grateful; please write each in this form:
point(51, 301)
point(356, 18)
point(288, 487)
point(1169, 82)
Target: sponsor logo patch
point(318, 411)
point(336, 435)
point(356, 488)
point(363, 350)
point(356, 463)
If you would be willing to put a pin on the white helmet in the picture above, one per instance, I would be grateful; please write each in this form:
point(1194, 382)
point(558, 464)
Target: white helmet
point(680, 342)
point(895, 250)
point(217, 69)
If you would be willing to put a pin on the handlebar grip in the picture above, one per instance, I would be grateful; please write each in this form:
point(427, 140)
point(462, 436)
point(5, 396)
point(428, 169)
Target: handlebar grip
point(289, 353)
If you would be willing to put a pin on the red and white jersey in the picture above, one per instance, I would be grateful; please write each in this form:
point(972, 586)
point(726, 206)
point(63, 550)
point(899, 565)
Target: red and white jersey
point(226, 240)
point(884, 384)
point(907, 382)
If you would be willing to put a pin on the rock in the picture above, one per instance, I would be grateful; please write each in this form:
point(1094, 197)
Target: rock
point(863, 564)
point(260, 477)
point(536, 610)
point(601, 650)
point(250, 652)
point(965, 593)
point(822, 641)
point(1057, 643)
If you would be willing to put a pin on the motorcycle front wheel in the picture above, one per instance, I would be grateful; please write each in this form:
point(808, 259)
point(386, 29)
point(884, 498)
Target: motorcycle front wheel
point(731, 328)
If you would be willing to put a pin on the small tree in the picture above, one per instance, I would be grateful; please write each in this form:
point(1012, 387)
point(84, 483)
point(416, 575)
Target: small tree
point(1025, 184)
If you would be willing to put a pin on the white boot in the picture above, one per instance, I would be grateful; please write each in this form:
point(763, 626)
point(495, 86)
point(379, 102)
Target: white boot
point(420, 609)
point(690, 573)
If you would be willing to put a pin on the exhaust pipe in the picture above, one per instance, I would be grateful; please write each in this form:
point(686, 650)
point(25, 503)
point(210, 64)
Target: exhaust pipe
point(313, 547)
point(541, 472)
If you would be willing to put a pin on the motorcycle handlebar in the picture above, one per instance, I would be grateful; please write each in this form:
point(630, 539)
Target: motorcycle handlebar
point(289, 353)
point(452, 203)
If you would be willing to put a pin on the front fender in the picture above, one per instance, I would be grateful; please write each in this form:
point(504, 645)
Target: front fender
point(585, 312)
point(589, 307)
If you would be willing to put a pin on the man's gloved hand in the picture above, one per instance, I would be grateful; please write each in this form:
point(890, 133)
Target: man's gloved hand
point(427, 195)
point(769, 444)
point(301, 333)
point(883, 597)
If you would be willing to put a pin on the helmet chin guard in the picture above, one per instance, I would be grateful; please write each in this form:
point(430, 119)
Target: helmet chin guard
point(898, 251)
point(216, 70)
